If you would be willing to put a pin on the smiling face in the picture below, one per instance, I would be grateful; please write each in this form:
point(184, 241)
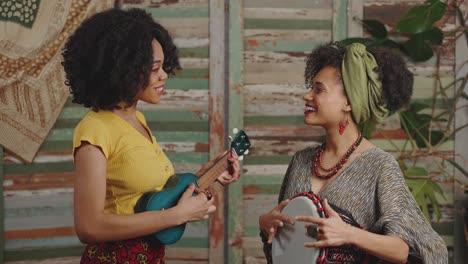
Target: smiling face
point(155, 89)
point(326, 102)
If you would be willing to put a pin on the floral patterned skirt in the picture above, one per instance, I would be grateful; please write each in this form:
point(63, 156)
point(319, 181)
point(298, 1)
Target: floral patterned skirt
point(144, 250)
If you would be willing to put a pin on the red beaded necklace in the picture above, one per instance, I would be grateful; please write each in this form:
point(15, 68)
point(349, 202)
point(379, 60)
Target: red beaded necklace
point(333, 170)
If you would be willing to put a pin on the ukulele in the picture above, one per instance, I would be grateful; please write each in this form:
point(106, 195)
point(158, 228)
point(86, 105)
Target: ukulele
point(177, 184)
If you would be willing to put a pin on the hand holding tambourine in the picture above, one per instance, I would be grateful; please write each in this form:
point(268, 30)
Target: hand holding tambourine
point(289, 240)
point(271, 221)
point(329, 232)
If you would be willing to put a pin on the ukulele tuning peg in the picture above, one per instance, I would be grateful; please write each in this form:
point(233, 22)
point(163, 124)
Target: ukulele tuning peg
point(240, 158)
point(246, 152)
point(229, 138)
point(235, 130)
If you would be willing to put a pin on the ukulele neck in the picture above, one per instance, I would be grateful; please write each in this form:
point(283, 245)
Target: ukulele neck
point(210, 175)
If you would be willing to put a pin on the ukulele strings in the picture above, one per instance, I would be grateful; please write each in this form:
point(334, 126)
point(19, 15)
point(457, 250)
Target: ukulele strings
point(211, 174)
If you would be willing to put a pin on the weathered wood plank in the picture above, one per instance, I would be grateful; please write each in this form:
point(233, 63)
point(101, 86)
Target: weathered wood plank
point(65, 260)
point(189, 254)
point(281, 34)
point(325, 4)
point(186, 27)
point(158, 13)
point(43, 253)
point(275, 57)
point(192, 52)
point(313, 133)
point(254, 249)
point(257, 204)
point(66, 134)
point(274, 120)
point(355, 11)
point(38, 181)
point(41, 232)
point(195, 63)
point(266, 160)
point(235, 112)
point(67, 166)
point(2, 208)
point(217, 108)
point(278, 146)
point(264, 73)
point(182, 100)
point(178, 3)
point(428, 69)
point(461, 150)
point(160, 120)
point(254, 23)
point(340, 19)
point(287, 13)
point(165, 4)
point(191, 43)
point(269, 67)
point(25, 200)
point(271, 99)
point(261, 170)
point(160, 115)
point(280, 45)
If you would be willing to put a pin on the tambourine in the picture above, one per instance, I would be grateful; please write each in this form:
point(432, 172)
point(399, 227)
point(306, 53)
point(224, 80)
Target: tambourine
point(288, 244)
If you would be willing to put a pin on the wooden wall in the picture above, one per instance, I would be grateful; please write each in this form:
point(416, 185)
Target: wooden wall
point(267, 42)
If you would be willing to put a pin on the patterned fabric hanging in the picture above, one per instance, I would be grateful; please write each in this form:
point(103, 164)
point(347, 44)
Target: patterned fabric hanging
point(32, 89)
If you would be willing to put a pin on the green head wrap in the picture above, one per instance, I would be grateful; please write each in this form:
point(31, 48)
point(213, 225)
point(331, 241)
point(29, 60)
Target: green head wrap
point(362, 84)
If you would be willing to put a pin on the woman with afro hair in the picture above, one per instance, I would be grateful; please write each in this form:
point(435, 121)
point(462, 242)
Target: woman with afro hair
point(372, 216)
point(113, 60)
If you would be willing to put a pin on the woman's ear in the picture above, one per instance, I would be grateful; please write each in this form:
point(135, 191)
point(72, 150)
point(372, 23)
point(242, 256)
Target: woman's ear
point(347, 107)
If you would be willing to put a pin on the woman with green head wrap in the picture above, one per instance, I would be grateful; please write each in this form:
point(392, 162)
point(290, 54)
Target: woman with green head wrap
point(373, 218)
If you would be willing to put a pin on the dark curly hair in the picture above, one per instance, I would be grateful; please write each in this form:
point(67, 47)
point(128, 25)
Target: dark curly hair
point(109, 57)
point(397, 80)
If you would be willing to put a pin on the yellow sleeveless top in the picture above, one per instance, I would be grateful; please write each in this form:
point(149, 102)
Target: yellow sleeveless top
point(134, 164)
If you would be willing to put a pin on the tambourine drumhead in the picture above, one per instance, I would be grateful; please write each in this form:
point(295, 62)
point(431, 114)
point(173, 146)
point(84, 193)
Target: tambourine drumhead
point(288, 244)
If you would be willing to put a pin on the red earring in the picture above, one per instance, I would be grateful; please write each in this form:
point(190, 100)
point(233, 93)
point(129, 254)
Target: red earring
point(343, 125)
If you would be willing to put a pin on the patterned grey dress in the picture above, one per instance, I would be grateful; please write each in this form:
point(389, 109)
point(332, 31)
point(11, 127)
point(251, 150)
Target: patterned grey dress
point(373, 191)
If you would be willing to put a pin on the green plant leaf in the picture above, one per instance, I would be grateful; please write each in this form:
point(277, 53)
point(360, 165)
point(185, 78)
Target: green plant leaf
point(375, 28)
point(415, 171)
point(423, 191)
point(433, 36)
point(411, 21)
point(365, 41)
point(367, 128)
point(421, 18)
point(417, 125)
point(464, 95)
point(461, 19)
point(460, 168)
point(418, 106)
point(417, 48)
point(436, 137)
point(390, 44)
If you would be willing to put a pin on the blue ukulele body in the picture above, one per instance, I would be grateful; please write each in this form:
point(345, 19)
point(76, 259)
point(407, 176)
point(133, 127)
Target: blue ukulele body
point(167, 198)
